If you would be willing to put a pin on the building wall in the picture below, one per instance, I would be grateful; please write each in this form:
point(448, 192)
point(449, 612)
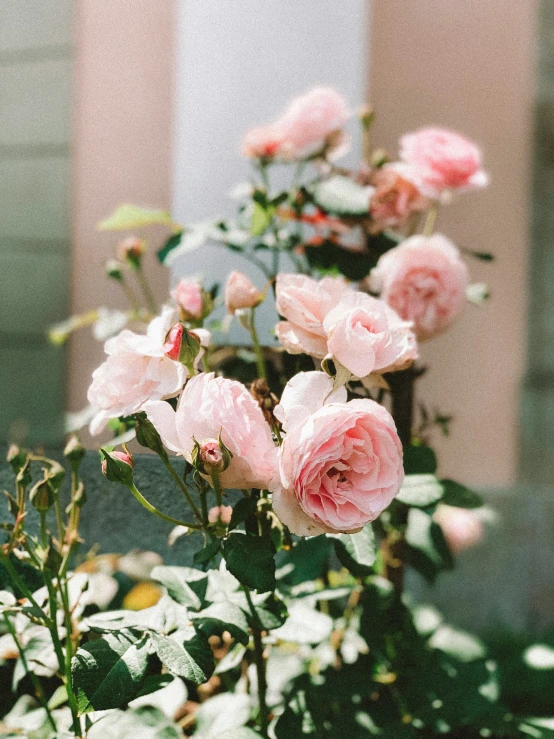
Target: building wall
point(470, 66)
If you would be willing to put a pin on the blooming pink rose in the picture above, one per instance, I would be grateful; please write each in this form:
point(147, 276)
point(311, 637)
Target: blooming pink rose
point(240, 293)
point(444, 161)
point(366, 336)
point(424, 279)
point(394, 198)
point(214, 407)
point(188, 296)
point(462, 528)
point(137, 370)
point(305, 302)
point(173, 341)
point(340, 463)
point(220, 513)
point(310, 125)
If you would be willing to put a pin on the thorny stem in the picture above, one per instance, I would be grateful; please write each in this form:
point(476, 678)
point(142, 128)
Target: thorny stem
point(152, 509)
point(260, 666)
point(39, 692)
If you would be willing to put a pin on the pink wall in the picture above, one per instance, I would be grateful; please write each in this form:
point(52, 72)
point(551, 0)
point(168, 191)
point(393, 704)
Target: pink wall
point(122, 151)
point(470, 66)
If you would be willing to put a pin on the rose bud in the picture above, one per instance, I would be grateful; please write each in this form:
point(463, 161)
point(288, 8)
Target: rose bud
point(131, 250)
point(42, 496)
point(211, 456)
point(173, 341)
point(74, 451)
point(188, 296)
point(241, 293)
point(117, 466)
point(16, 458)
point(220, 514)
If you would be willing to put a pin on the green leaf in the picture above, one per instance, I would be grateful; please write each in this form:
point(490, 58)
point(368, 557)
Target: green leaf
point(251, 561)
point(172, 243)
point(261, 218)
point(306, 560)
point(342, 196)
point(356, 551)
point(221, 714)
point(458, 495)
point(419, 460)
point(242, 510)
point(184, 584)
point(127, 217)
point(420, 490)
point(207, 553)
point(232, 659)
point(330, 257)
point(427, 550)
point(271, 611)
point(108, 672)
point(186, 653)
point(241, 733)
point(457, 643)
point(223, 616)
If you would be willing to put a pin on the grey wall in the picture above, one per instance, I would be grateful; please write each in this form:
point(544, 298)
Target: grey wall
point(35, 97)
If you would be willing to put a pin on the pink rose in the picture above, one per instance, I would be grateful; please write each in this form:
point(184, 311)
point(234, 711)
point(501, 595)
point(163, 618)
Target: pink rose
point(131, 249)
point(395, 197)
point(240, 293)
point(462, 528)
point(424, 279)
point(220, 513)
point(305, 302)
point(444, 161)
point(310, 125)
point(366, 336)
point(213, 407)
point(188, 296)
point(173, 341)
point(340, 463)
point(137, 370)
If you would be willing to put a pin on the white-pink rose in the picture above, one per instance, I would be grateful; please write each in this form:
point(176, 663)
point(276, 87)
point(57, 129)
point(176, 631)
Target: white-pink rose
point(311, 124)
point(137, 370)
point(188, 296)
point(340, 463)
point(424, 279)
point(443, 161)
point(462, 528)
point(366, 336)
point(305, 302)
point(395, 197)
point(241, 293)
point(214, 407)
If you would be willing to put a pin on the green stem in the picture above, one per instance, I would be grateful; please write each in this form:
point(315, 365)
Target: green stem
point(134, 302)
point(217, 487)
point(260, 361)
point(12, 572)
point(39, 692)
point(183, 487)
point(260, 666)
point(43, 531)
point(152, 509)
point(431, 220)
point(148, 294)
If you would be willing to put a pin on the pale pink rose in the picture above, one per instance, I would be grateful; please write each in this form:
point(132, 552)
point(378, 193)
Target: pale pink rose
point(220, 513)
point(212, 456)
point(173, 341)
point(240, 293)
point(340, 464)
point(214, 407)
point(462, 528)
point(365, 335)
point(395, 197)
point(188, 296)
point(137, 370)
point(310, 125)
point(444, 161)
point(305, 302)
point(424, 279)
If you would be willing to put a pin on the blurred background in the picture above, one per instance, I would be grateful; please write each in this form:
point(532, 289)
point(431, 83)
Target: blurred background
point(146, 101)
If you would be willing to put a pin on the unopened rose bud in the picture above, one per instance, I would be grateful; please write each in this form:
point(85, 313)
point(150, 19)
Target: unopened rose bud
point(366, 114)
point(55, 476)
point(131, 250)
point(117, 466)
point(113, 269)
point(74, 451)
point(189, 298)
point(190, 349)
point(41, 496)
point(211, 456)
point(241, 293)
point(148, 436)
point(16, 458)
point(173, 341)
point(220, 513)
